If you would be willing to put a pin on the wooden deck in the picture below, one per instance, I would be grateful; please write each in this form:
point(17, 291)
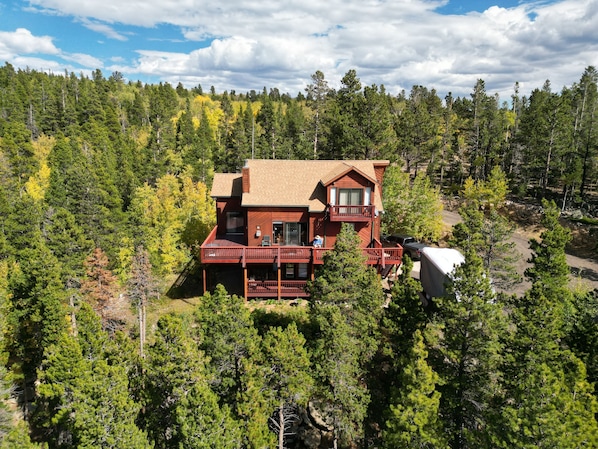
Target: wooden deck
point(219, 250)
point(223, 251)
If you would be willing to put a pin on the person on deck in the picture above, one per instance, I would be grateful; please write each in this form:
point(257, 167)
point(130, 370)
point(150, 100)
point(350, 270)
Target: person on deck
point(318, 241)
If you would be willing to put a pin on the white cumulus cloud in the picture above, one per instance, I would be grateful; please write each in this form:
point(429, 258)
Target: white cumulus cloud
point(248, 44)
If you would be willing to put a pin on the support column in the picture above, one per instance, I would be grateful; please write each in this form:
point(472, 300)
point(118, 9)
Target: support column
point(204, 280)
point(245, 282)
point(279, 280)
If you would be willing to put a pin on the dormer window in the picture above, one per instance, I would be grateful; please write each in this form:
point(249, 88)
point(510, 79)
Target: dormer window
point(350, 197)
point(350, 204)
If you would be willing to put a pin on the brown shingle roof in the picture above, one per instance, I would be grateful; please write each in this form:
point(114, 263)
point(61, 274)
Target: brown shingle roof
point(290, 183)
point(226, 185)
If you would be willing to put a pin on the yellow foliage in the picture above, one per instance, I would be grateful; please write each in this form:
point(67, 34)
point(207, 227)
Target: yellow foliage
point(175, 215)
point(171, 254)
point(42, 146)
point(38, 184)
point(141, 137)
point(3, 280)
point(489, 194)
point(125, 257)
point(215, 116)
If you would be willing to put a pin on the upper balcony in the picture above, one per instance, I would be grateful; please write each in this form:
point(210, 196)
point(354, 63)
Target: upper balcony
point(351, 213)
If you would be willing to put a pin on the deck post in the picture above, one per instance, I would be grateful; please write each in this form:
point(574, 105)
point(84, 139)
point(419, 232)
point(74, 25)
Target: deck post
point(279, 284)
point(245, 282)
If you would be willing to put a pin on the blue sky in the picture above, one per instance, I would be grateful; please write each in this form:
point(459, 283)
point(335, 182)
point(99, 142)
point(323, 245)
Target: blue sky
point(249, 44)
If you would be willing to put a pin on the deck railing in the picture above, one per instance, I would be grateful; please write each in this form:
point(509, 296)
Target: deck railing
point(269, 289)
point(289, 254)
point(351, 213)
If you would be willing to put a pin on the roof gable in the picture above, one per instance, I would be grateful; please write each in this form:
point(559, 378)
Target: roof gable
point(341, 170)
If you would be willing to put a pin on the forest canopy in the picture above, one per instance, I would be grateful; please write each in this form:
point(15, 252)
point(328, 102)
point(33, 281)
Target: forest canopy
point(104, 196)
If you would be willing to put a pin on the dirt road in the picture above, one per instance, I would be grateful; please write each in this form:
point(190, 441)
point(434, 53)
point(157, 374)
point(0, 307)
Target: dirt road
point(584, 271)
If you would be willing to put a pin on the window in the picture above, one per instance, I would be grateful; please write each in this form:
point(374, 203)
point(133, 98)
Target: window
point(235, 223)
point(289, 233)
point(350, 197)
point(302, 271)
point(290, 271)
point(295, 271)
point(277, 228)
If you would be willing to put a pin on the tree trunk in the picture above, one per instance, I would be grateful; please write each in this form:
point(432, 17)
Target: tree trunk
point(281, 426)
point(141, 329)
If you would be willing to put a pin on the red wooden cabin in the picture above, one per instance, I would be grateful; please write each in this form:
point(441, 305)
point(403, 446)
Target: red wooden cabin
point(269, 215)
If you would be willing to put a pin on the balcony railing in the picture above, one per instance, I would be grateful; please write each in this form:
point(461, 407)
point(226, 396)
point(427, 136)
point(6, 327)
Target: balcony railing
point(289, 254)
point(271, 289)
point(351, 213)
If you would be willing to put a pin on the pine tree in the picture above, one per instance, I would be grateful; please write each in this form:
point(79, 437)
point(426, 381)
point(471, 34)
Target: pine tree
point(36, 312)
point(317, 92)
point(486, 231)
point(346, 305)
point(99, 285)
point(416, 126)
point(583, 337)
point(343, 397)
point(67, 241)
point(287, 376)
point(404, 316)
point(346, 282)
point(84, 397)
point(174, 368)
point(465, 350)
point(551, 407)
point(413, 420)
point(544, 381)
point(227, 334)
point(203, 423)
point(549, 269)
point(141, 290)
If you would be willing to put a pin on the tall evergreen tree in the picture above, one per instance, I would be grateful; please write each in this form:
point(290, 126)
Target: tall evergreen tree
point(546, 133)
point(465, 350)
point(346, 304)
point(317, 93)
point(549, 270)
point(416, 126)
point(544, 381)
point(84, 397)
point(586, 117)
point(36, 315)
point(175, 370)
point(486, 230)
point(227, 334)
point(287, 377)
point(413, 420)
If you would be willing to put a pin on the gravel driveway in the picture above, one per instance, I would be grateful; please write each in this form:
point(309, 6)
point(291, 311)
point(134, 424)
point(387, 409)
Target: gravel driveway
point(584, 271)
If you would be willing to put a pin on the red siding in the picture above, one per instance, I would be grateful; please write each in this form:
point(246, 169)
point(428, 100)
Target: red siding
point(224, 205)
point(265, 217)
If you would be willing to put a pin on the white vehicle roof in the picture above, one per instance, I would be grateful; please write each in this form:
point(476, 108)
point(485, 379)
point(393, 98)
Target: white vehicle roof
point(445, 259)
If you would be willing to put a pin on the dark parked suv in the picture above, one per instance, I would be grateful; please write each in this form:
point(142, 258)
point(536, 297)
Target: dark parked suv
point(410, 245)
